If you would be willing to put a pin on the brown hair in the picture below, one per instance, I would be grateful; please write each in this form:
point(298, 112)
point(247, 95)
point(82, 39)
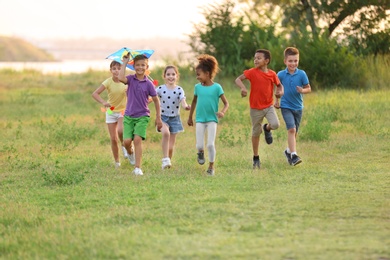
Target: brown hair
point(266, 53)
point(140, 57)
point(114, 63)
point(208, 63)
point(174, 68)
point(290, 51)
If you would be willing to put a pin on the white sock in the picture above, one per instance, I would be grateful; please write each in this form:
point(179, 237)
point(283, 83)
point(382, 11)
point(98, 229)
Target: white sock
point(293, 153)
point(288, 150)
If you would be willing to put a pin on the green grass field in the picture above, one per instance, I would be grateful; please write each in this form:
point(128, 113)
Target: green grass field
point(61, 197)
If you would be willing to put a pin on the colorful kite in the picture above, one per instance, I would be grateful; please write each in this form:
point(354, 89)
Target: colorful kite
point(118, 55)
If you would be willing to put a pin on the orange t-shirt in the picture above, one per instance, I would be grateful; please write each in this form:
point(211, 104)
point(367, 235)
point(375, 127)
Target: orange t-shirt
point(262, 87)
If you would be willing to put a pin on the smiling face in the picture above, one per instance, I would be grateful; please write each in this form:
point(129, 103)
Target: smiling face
point(202, 76)
point(171, 76)
point(292, 62)
point(115, 70)
point(140, 66)
point(260, 60)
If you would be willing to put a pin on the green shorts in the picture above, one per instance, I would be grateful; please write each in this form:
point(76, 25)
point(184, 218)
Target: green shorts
point(135, 126)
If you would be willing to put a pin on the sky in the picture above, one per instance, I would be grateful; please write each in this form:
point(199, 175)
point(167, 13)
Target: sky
point(116, 19)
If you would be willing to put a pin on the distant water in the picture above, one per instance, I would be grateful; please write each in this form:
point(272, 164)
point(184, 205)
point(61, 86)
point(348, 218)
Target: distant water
point(63, 67)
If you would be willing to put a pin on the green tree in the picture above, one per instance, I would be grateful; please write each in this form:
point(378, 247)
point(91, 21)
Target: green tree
point(232, 40)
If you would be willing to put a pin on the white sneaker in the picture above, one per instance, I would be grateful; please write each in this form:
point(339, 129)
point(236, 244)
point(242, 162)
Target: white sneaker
point(166, 163)
point(131, 157)
point(125, 154)
point(117, 165)
point(138, 171)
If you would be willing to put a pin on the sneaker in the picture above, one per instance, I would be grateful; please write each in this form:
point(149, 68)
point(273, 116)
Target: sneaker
point(125, 154)
point(201, 158)
point(267, 134)
point(131, 157)
point(295, 159)
point(166, 163)
point(256, 163)
point(288, 156)
point(138, 171)
point(117, 165)
point(210, 172)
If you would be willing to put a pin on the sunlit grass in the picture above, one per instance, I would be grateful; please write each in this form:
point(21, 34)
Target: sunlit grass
point(61, 197)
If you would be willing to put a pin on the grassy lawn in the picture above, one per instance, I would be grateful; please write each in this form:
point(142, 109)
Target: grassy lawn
point(61, 197)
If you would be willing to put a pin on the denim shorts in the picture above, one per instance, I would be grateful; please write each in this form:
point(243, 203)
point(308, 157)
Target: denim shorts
point(292, 118)
point(174, 123)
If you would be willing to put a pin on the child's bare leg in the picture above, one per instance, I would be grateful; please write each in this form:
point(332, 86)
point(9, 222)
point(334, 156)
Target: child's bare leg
point(112, 130)
point(172, 140)
point(138, 150)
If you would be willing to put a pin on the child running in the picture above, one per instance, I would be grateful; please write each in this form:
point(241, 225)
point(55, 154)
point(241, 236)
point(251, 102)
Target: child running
point(296, 83)
point(206, 100)
point(114, 118)
point(171, 97)
point(262, 84)
point(137, 113)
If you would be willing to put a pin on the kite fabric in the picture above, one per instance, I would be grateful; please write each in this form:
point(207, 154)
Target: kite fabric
point(118, 55)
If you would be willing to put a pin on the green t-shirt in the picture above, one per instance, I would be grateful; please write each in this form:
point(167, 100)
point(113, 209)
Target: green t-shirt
point(207, 103)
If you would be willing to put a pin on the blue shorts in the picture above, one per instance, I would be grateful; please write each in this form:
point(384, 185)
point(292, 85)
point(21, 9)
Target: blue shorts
point(292, 118)
point(174, 123)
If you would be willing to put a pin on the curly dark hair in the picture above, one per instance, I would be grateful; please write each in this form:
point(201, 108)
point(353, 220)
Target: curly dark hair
point(208, 63)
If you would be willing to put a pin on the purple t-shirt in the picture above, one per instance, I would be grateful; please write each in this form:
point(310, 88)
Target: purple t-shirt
point(138, 93)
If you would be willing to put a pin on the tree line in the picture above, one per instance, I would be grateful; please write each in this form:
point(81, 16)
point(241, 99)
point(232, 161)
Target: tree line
point(334, 37)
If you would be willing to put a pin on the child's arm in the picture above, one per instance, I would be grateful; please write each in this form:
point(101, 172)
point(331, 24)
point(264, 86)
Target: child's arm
point(184, 104)
point(241, 85)
point(305, 89)
point(96, 96)
point(279, 91)
point(225, 107)
point(193, 106)
point(122, 76)
point(158, 112)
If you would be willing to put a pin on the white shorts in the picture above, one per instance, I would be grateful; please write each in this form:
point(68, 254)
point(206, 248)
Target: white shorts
point(113, 117)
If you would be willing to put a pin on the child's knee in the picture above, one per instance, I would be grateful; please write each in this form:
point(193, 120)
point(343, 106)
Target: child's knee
point(274, 126)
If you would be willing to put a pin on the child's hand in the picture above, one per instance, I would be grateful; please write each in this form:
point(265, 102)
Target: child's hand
point(244, 92)
point(220, 114)
point(300, 89)
point(188, 107)
point(126, 59)
point(158, 124)
point(277, 105)
point(106, 104)
point(190, 122)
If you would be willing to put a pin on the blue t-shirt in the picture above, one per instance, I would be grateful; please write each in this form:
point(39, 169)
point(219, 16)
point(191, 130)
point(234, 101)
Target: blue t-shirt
point(138, 92)
point(292, 99)
point(207, 103)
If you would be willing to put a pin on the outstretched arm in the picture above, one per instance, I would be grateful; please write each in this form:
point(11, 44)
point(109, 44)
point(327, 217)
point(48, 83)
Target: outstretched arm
point(122, 76)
